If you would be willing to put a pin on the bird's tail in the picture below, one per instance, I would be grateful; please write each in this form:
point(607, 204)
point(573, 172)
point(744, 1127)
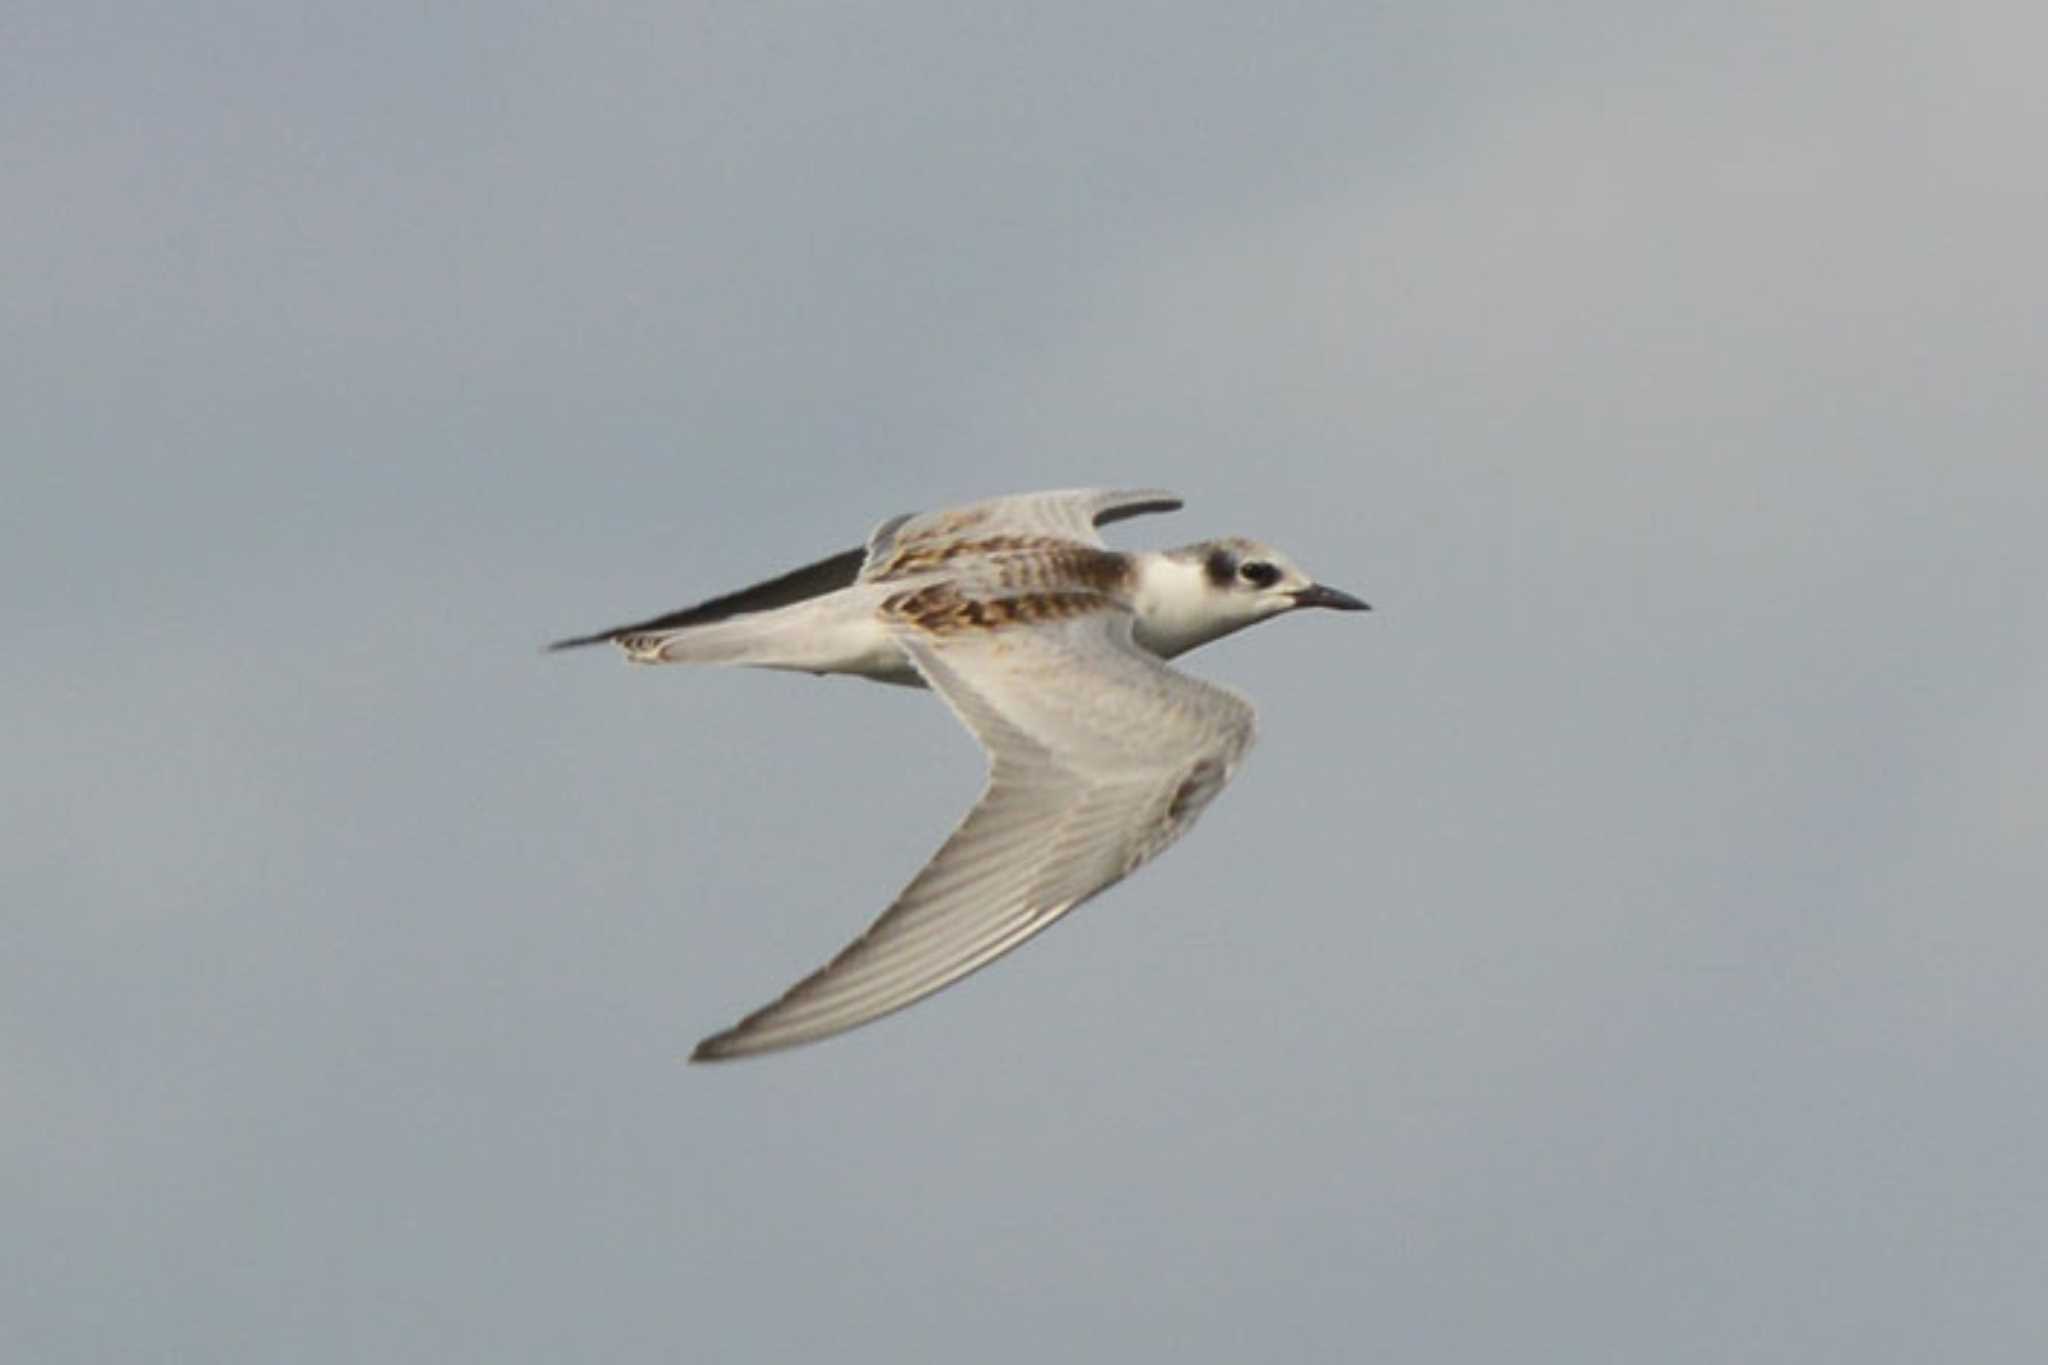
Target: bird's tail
point(768, 640)
point(835, 634)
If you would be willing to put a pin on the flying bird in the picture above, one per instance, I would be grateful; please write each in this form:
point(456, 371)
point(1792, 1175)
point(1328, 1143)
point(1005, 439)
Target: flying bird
point(1050, 648)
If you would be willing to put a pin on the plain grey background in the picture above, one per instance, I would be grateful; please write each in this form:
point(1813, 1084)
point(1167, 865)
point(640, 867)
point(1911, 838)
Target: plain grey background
point(1626, 944)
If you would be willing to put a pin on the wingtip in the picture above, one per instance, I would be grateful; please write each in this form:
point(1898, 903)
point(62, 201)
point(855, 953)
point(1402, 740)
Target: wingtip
point(1163, 498)
point(1123, 504)
point(748, 1039)
point(719, 1047)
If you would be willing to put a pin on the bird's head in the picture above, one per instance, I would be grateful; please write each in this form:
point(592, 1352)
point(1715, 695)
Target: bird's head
point(1204, 591)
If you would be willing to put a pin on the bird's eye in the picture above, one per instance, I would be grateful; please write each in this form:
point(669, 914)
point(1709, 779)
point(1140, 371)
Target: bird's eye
point(1259, 573)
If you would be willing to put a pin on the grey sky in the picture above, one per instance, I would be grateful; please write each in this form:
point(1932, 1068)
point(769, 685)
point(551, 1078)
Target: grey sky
point(1625, 944)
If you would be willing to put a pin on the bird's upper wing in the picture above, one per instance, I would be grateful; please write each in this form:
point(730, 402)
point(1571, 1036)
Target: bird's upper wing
point(1100, 756)
point(908, 544)
point(912, 542)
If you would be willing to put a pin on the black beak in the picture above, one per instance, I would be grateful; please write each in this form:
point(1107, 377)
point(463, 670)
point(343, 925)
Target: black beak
point(1316, 595)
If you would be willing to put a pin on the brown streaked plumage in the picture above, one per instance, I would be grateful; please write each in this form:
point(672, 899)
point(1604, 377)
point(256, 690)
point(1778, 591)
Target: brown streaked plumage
point(935, 552)
point(941, 607)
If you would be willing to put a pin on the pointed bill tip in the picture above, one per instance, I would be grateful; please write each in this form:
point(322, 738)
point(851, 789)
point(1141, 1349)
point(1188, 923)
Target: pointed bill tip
point(1316, 595)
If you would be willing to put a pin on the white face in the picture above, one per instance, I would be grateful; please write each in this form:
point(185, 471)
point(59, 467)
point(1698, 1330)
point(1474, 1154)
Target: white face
point(1203, 592)
point(1257, 580)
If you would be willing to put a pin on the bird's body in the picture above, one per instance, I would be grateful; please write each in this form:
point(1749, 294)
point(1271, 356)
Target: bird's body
point(1049, 647)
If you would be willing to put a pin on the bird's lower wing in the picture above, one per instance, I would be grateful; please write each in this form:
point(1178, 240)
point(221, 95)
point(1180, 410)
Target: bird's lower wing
point(1100, 756)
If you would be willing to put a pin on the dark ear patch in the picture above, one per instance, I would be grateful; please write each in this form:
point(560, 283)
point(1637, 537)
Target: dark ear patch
point(1221, 566)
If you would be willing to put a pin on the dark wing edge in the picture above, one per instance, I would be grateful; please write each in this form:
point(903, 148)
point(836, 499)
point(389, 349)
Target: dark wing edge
point(1140, 503)
point(798, 585)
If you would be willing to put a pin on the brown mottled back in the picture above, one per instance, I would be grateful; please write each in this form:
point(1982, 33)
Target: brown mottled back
point(942, 609)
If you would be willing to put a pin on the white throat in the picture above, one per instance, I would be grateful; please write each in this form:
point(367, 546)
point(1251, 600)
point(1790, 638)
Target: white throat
point(1178, 607)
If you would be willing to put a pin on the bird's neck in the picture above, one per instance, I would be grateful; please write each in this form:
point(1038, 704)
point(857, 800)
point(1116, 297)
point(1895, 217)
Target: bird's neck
point(1175, 604)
